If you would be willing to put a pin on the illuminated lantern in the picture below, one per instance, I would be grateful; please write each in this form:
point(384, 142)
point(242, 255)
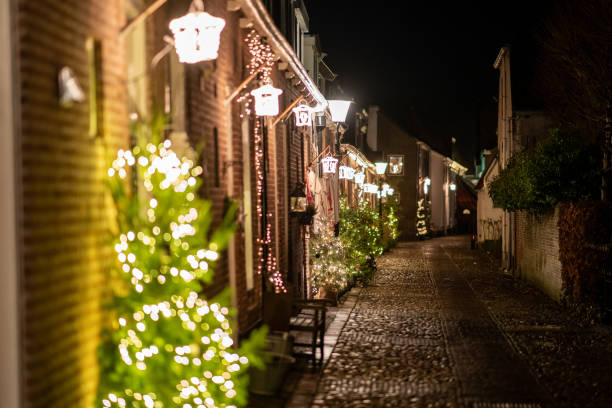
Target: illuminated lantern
point(345, 172)
point(338, 110)
point(426, 185)
point(370, 188)
point(302, 115)
point(197, 36)
point(381, 167)
point(266, 100)
point(359, 178)
point(298, 199)
point(453, 186)
point(329, 164)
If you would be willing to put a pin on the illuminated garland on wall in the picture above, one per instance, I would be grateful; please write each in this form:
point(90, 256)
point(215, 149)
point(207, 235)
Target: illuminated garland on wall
point(262, 59)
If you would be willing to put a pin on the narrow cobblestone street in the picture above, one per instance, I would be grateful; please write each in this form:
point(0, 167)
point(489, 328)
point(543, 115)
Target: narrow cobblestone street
point(442, 326)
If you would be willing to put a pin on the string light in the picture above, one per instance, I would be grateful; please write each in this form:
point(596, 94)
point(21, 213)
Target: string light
point(164, 260)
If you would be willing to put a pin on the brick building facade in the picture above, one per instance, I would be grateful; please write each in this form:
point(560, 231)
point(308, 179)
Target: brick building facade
point(63, 213)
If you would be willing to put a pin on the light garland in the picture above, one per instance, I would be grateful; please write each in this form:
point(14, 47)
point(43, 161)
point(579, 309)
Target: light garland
point(268, 261)
point(262, 60)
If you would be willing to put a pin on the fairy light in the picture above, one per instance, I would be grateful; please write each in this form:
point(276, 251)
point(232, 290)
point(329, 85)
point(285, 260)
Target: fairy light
point(145, 266)
point(267, 263)
point(262, 60)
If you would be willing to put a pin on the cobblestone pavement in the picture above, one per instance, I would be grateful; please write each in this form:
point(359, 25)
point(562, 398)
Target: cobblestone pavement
point(442, 326)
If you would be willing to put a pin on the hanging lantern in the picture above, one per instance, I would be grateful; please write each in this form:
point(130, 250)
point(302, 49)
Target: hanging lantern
point(197, 36)
point(381, 167)
point(329, 164)
point(303, 115)
point(346, 173)
point(298, 199)
point(266, 100)
point(359, 178)
point(370, 188)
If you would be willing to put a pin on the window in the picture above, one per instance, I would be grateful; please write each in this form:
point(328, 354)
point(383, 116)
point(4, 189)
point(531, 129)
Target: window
point(396, 164)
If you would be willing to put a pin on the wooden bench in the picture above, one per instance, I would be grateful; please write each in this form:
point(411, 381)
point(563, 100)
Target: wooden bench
point(310, 316)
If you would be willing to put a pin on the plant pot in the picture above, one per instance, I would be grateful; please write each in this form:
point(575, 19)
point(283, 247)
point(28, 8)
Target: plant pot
point(277, 308)
point(269, 380)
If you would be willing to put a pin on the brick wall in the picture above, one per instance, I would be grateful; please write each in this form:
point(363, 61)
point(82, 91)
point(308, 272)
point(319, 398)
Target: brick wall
point(67, 210)
point(65, 207)
point(538, 251)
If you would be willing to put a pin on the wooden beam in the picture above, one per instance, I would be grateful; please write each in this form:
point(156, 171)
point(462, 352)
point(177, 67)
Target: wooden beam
point(233, 5)
point(144, 14)
point(286, 111)
point(245, 23)
point(243, 84)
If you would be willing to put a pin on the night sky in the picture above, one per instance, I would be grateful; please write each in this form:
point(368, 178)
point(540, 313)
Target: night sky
point(435, 58)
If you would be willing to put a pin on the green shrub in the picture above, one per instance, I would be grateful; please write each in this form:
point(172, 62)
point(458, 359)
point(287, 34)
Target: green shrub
point(561, 169)
point(390, 224)
point(359, 232)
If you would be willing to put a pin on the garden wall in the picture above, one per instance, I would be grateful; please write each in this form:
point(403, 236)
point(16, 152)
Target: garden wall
point(538, 251)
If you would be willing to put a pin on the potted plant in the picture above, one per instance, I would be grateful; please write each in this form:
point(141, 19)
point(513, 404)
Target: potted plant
point(329, 272)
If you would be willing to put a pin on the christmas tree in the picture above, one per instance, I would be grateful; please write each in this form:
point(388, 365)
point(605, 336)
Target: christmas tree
point(328, 264)
point(168, 346)
point(423, 218)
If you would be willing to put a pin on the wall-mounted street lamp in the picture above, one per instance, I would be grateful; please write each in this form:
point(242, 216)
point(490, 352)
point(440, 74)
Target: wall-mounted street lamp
point(266, 100)
point(329, 164)
point(453, 186)
point(197, 35)
point(381, 168)
point(298, 199)
point(338, 109)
